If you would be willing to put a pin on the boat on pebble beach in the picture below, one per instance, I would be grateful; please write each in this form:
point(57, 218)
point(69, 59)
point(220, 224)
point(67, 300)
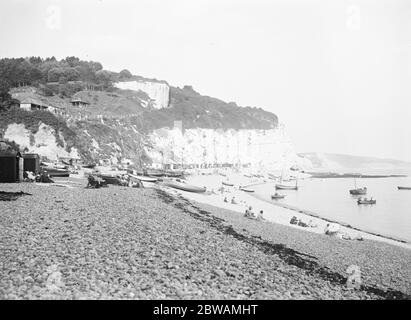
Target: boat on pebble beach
point(228, 184)
point(404, 188)
point(56, 172)
point(184, 186)
point(246, 189)
point(143, 178)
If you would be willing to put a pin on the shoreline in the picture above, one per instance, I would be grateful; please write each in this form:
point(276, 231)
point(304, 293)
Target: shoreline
point(331, 253)
point(344, 224)
point(281, 216)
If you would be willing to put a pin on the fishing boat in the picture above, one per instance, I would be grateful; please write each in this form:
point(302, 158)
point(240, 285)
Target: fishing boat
point(228, 184)
point(404, 188)
point(184, 186)
point(173, 173)
point(89, 165)
point(281, 186)
point(151, 173)
point(285, 187)
point(358, 191)
point(111, 179)
point(53, 165)
point(246, 189)
point(277, 196)
point(143, 178)
point(55, 172)
point(366, 201)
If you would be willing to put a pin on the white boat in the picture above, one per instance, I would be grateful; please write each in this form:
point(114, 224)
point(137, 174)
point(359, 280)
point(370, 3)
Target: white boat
point(143, 178)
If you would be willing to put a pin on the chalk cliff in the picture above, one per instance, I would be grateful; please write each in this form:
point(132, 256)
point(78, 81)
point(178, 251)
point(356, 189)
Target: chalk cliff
point(158, 92)
point(260, 149)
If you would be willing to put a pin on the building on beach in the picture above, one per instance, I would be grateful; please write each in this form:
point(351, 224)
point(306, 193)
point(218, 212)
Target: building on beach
point(11, 166)
point(31, 162)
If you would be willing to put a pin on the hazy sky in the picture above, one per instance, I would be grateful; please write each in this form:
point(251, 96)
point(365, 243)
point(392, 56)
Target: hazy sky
point(337, 73)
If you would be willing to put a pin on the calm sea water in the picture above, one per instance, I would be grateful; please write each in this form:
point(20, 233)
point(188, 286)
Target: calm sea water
point(330, 198)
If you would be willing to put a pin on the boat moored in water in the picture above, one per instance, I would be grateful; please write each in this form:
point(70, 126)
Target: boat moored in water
point(359, 191)
point(277, 196)
point(366, 201)
point(285, 187)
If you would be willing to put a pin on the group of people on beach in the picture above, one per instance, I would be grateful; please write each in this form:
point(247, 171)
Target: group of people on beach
point(301, 223)
point(249, 213)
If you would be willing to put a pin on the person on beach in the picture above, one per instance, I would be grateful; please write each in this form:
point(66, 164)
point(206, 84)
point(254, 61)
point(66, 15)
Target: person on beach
point(260, 215)
point(248, 212)
point(294, 220)
point(225, 199)
point(233, 201)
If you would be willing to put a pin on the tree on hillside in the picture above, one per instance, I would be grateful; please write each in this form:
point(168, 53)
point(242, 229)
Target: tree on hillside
point(125, 74)
point(104, 78)
point(72, 61)
point(5, 97)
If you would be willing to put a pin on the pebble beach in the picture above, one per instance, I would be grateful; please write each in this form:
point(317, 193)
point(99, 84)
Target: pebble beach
point(152, 243)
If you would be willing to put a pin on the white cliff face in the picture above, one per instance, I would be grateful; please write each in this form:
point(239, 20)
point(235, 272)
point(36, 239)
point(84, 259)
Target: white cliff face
point(262, 149)
point(159, 93)
point(42, 142)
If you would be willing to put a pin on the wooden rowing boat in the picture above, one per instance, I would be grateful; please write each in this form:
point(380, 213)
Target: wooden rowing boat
point(277, 196)
point(366, 201)
point(143, 178)
point(54, 172)
point(246, 189)
point(228, 184)
point(404, 188)
point(184, 186)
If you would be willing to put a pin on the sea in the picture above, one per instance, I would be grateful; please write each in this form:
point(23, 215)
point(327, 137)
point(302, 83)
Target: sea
point(330, 198)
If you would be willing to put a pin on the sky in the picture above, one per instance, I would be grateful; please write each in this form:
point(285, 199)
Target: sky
point(337, 73)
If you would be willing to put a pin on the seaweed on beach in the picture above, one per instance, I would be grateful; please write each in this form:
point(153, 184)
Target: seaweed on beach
point(290, 256)
point(12, 196)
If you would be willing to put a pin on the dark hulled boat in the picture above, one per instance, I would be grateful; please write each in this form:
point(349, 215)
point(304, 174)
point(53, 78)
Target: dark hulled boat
point(404, 188)
point(277, 196)
point(359, 191)
point(285, 187)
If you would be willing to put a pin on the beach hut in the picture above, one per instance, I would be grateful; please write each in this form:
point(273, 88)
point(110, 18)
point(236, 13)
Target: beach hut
point(31, 162)
point(11, 167)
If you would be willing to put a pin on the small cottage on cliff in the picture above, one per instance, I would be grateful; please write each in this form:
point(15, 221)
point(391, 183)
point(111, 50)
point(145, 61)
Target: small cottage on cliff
point(79, 103)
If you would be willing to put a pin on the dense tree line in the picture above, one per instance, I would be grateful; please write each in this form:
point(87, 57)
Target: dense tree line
point(64, 77)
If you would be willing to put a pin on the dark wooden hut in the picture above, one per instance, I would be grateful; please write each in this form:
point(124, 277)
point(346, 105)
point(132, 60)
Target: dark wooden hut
point(31, 162)
point(11, 167)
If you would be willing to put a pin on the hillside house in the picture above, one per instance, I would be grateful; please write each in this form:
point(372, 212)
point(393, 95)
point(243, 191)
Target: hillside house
point(79, 103)
point(31, 104)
